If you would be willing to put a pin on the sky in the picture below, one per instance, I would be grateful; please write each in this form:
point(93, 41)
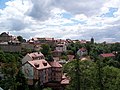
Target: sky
point(65, 19)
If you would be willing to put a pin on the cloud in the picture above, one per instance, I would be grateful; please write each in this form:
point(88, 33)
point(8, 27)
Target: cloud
point(74, 19)
point(16, 24)
point(41, 9)
point(87, 7)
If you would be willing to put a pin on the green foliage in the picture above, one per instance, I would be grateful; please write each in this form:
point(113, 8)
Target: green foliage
point(47, 88)
point(46, 51)
point(111, 78)
point(73, 47)
point(10, 68)
point(20, 38)
point(92, 76)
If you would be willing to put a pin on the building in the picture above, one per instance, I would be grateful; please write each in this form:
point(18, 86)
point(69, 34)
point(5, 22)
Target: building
point(61, 47)
point(9, 43)
point(81, 52)
point(33, 56)
point(49, 41)
point(5, 37)
point(11, 48)
point(57, 53)
point(38, 70)
point(56, 69)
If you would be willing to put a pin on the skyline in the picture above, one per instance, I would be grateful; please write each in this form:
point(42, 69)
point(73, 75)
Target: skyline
point(73, 19)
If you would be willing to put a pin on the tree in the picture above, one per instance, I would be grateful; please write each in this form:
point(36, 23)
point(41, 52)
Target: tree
point(11, 65)
point(93, 76)
point(87, 75)
point(9, 81)
point(20, 38)
point(46, 51)
point(111, 78)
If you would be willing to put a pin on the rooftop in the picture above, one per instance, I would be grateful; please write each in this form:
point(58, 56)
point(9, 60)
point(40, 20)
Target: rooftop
point(65, 81)
point(107, 55)
point(39, 64)
point(70, 57)
point(82, 49)
point(35, 54)
point(55, 64)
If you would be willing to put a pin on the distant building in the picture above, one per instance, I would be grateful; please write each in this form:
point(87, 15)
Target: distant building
point(49, 41)
point(5, 37)
point(9, 43)
point(61, 47)
point(57, 53)
point(92, 40)
point(81, 52)
point(10, 48)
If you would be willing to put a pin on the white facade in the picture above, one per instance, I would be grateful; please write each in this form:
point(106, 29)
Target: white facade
point(81, 52)
point(61, 47)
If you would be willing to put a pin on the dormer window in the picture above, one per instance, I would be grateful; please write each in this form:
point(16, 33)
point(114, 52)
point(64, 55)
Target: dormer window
point(45, 63)
point(36, 65)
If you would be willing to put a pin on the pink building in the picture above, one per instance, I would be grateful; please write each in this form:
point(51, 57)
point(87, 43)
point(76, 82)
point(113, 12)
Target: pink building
point(37, 69)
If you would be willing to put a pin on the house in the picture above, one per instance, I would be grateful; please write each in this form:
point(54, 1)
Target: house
point(61, 47)
point(56, 69)
point(5, 37)
point(9, 43)
point(81, 52)
point(57, 53)
point(37, 69)
point(49, 41)
point(33, 56)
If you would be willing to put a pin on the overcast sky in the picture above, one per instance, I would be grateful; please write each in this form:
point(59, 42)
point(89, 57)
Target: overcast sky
point(73, 19)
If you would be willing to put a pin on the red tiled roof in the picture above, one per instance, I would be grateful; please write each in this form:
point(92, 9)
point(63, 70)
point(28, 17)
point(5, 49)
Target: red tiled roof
point(41, 64)
point(83, 41)
point(60, 45)
point(82, 49)
point(65, 81)
point(107, 55)
point(70, 57)
point(49, 39)
point(55, 64)
point(35, 54)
